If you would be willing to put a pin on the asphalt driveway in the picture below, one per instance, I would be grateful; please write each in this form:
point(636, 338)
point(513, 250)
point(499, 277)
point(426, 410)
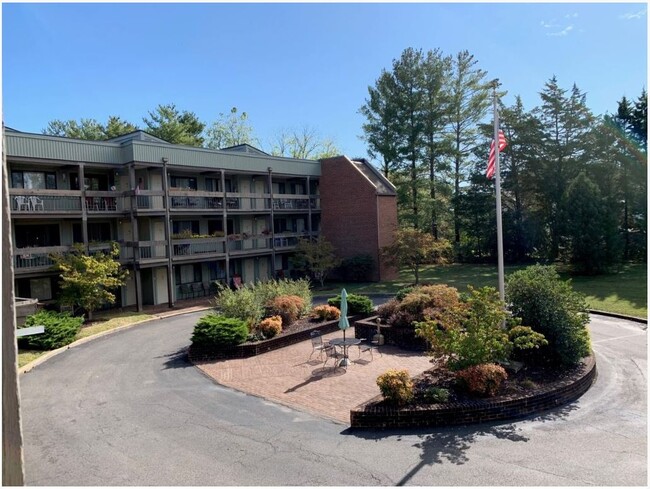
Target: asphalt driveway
point(127, 409)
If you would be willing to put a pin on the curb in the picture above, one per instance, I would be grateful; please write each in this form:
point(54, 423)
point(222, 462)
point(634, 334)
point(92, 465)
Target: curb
point(618, 316)
point(43, 358)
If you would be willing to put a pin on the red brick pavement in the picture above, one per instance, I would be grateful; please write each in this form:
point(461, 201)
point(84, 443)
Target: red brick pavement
point(288, 377)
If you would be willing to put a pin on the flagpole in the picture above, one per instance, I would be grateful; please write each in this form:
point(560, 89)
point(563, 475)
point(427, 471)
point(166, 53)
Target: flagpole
point(497, 171)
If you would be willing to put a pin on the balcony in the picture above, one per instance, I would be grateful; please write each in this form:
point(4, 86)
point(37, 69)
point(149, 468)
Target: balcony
point(33, 202)
point(243, 243)
point(36, 259)
point(193, 200)
point(296, 202)
point(198, 247)
point(99, 202)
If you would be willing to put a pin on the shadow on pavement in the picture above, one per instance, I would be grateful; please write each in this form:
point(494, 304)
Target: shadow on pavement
point(178, 359)
point(452, 443)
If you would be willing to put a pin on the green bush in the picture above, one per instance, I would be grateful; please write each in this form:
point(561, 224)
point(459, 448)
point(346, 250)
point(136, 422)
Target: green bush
point(484, 379)
point(357, 304)
point(401, 293)
point(358, 268)
point(60, 329)
point(551, 307)
point(477, 339)
point(436, 395)
point(241, 304)
point(396, 386)
point(249, 302)
point(219, 331)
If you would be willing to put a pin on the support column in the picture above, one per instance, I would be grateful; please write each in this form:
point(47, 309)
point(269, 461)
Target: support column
point(168, 236)
point(135, 241)
point(224, 216)
point(270, 182)
point(309, 208)
point(84, 207)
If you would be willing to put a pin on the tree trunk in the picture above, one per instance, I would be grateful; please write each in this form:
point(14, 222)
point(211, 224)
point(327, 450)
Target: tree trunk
point(434, 216)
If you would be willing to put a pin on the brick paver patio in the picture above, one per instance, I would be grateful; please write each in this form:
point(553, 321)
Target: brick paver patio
point(288, 377)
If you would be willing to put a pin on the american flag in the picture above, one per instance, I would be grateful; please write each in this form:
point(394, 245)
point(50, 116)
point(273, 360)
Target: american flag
point(492, 158)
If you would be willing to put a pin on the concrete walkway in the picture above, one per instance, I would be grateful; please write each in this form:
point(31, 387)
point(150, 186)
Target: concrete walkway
point(287, 376)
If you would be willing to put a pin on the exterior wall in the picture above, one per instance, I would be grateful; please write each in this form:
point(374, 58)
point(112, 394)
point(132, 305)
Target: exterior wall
point(387, 219)
point(349, 210)
point(248, 270)
point(128, 291)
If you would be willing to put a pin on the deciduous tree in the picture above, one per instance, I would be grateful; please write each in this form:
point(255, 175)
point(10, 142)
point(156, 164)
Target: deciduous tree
point(88, 281)
point(316, 256)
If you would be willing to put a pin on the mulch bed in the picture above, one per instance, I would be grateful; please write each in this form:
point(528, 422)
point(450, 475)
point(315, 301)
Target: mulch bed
point(523, 381)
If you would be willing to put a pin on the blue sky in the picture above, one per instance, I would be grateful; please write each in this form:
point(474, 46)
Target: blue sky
point(290, 65)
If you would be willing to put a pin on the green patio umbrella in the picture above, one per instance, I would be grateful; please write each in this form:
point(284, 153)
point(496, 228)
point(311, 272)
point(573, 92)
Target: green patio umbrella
point(343, 322)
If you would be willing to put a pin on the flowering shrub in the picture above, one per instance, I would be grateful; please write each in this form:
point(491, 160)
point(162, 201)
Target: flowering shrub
point(484, 379)
point(270, 327)
point(396, 386)
point(440, 304)
point(288, 307)
point(325, 313)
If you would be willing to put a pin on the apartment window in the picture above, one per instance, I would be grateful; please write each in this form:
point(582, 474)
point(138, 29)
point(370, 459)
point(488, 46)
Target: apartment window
point(217, 270)
point(33, 180)
point(37, 235)
point(216, 225)
point(187, 274)
point(213, 184)
point(183, 182)
point(91, 182)
point(41, 288)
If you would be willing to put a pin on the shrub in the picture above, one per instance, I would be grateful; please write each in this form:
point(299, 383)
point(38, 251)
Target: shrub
point(436, 395)
point(270, 327)
point(265, 292)
point(387, 309)
point(401, 293)
point(288, 307)
point(358, 268)
point(357, 304)
point(551, 307)
point(325, 313)
point(484, 379)
point(241, 304)
point(396, 386)
point(438, 303)
point(478, 338)
point(60, 329)
point(524, 338)
point(218, 331)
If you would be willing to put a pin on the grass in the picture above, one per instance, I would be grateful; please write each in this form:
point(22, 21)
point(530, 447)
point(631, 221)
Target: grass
point(624, 292)
point(102, 322)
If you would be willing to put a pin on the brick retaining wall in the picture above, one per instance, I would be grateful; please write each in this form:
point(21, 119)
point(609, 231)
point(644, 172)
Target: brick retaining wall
point(371, 415)
point(253, 349)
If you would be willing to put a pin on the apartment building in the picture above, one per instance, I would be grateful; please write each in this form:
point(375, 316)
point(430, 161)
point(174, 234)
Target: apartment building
point(184, 217)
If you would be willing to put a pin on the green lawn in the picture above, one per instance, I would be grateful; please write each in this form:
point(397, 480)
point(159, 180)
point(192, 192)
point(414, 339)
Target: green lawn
point(624, 292)
point(102, 322)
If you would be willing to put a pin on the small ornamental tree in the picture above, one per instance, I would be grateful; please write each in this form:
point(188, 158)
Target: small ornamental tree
point(88, 281)
point(412, 248)
point(316, 257)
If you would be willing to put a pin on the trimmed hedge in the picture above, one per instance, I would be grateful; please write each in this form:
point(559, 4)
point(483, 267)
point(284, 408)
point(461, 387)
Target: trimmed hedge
point(357, 304)
point(60, 329)
point(219, 331)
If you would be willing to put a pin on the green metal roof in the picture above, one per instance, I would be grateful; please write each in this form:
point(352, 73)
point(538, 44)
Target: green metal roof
point(126, 150)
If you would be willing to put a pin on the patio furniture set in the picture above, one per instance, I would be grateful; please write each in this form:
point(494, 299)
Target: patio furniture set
point(337, 349)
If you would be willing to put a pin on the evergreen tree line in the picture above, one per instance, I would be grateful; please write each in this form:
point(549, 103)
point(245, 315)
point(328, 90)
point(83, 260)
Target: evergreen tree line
point(574, 185)
point(178, 126)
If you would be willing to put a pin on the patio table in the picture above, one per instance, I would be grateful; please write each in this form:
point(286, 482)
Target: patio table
point(345, 343)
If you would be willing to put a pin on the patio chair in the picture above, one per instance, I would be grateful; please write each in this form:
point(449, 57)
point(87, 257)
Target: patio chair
point(21, 201)
point(369, 346)
point(334, 354)
point(36, 202)
point(317, 344)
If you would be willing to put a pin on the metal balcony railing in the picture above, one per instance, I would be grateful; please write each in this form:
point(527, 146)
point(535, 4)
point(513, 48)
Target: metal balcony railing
point(198, 246)
point(29, 201)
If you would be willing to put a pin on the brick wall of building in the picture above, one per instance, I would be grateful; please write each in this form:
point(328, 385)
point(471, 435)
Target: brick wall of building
point(353, 217)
